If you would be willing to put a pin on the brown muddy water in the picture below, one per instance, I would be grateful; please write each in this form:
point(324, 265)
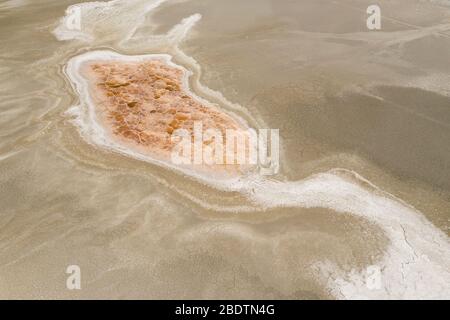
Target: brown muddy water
point(359, 209)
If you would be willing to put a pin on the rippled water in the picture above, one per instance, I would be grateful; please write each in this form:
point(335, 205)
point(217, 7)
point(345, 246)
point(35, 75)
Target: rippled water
point(364, 121)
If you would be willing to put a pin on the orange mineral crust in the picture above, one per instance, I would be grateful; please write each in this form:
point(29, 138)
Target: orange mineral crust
point(142, 103)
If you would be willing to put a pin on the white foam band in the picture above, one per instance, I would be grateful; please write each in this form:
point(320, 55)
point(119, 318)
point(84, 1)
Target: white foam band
point(415, 263)
point(114, 20)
